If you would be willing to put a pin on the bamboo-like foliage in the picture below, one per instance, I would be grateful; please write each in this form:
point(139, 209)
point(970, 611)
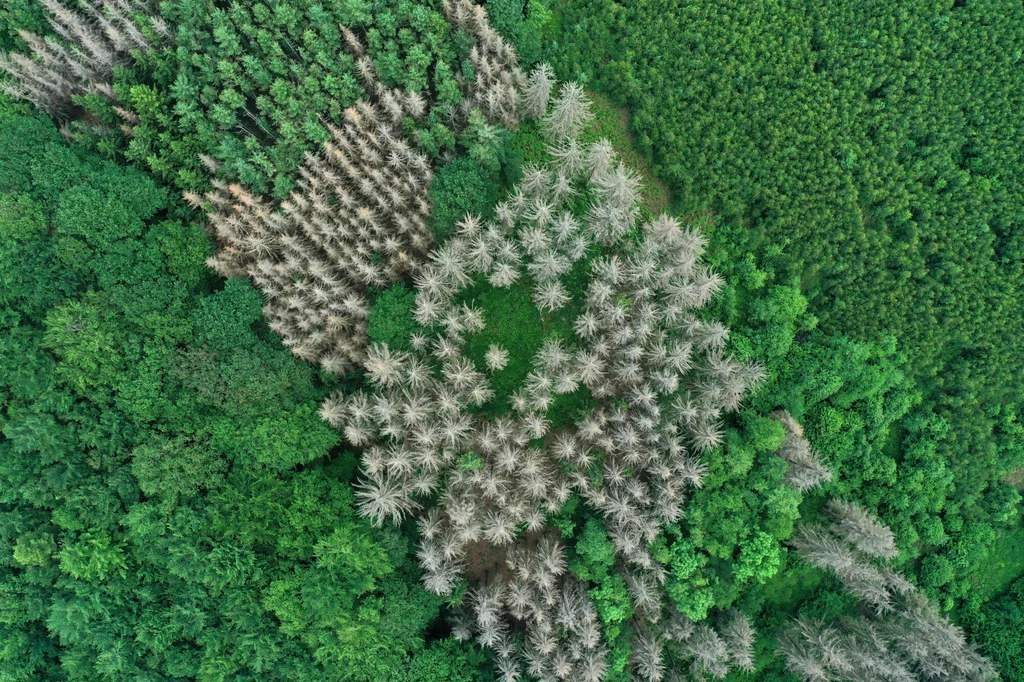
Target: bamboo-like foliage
point(498, 82)
point(357, 218)
point(806, 470)
point(658, 371)
point(95, 39)
point(901, 639)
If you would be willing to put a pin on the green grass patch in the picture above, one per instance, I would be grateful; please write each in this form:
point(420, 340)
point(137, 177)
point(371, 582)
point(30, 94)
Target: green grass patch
point(611, 123)
point(570, 408)
point(512, 322)
point(1003, 565)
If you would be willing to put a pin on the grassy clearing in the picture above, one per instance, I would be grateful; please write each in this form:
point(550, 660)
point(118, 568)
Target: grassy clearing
point(1002, 566)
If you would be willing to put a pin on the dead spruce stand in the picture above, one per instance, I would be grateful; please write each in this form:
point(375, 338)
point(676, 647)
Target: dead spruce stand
point(655, 369)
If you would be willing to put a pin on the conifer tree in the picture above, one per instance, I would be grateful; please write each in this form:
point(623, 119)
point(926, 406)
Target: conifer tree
point(498, 82)
point(710, 651)
point(657, 371)
point(901, 638)
point(862, 529)
point(358, 218)
point(805, 468)
point(99, 36)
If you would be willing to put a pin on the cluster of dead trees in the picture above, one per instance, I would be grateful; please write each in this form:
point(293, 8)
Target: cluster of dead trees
point(498, 83)
point(95, 39)
point(898, 636)
point(658, 371)
point(359, 216)
point(712, 648)
point(533, 590)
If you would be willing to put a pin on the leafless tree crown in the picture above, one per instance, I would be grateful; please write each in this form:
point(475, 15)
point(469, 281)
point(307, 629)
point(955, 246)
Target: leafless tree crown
point(806, 470)
point(862, 529)
point(94, 40)
point(902, 638)
point(710, 652)
point(658, 371)
point(498, 85)
point(358, 217)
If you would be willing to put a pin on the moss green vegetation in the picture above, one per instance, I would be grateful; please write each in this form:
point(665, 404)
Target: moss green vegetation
point(846, 136)
point(1000, 628)
point(391, 319)
point(514, 324)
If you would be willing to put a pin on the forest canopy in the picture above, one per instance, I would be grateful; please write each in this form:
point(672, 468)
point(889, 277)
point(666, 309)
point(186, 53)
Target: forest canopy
point(532, 340)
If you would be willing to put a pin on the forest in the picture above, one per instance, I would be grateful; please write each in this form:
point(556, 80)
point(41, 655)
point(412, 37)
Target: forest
point(554, 340)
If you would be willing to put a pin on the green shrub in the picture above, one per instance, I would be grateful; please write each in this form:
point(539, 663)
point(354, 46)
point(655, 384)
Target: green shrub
point(462, 186)
point(391, 318)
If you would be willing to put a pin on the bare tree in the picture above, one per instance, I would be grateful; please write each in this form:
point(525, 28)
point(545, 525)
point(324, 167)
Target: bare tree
point(358, 218)
point(647, 657)
point(538, 91)
point(708, 651)
point(499, 83)
point(805, 469)
point(659, 373)
point(862, 529)
point(95, 39)
point(570, 113)
point(739, 636)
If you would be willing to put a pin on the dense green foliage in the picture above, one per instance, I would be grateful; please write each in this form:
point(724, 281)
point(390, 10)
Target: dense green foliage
point(254, 85)
point(1001, 632)
point(460, 187)
point(866, 155)
point(172, 504)
point(527, 23)
point(876, 147)
point(20, 15)
point(391, 318)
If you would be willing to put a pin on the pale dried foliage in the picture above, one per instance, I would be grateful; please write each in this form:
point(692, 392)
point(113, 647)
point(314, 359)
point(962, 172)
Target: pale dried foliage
point(358, 217)
point(739, 637)
point(862, 529)
point(498, 82)
point(658, 372)
point(903, 638)
point(93, 40)
point(532, 588)
point(806, 470)
point(710, 652)
point(876, 585)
